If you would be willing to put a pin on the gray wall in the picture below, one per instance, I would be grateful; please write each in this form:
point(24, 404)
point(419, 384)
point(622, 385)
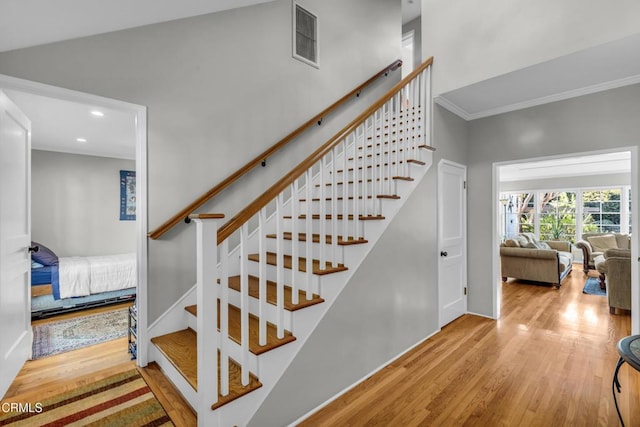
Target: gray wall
point(588, 123)
point(362, 331)
point(75, 206)
point(473, 41)
point(220, 89)
point(416, 26)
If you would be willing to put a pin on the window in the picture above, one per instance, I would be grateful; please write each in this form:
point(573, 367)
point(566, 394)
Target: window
point(305, 35)
point(601, 211)
point(558, 216)
point(566, 215)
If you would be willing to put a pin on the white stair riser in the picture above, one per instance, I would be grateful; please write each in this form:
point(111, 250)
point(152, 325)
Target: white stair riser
point(302, 247)
point(315, 226)
point(370, 203)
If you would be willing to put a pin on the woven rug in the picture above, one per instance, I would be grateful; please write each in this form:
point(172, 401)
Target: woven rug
point(592, 287)
point(65, 335)
point(120, 400)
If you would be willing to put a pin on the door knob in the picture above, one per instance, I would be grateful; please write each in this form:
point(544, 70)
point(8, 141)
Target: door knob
point(34, 249)
point(443, 253)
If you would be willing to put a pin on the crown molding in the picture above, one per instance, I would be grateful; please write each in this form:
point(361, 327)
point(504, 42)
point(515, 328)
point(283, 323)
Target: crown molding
point(600, 87)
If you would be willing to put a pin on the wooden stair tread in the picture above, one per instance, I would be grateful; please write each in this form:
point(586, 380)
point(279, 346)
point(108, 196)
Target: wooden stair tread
point(406, 178)
point(272, 260)
point(234, 330)
point(340, 217)
point(180, 349)
point(254, 292)
point(417, 162)
point(302, 237)
point(427, 147)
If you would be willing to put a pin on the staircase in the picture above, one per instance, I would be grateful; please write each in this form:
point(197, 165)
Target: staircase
point(267, 276)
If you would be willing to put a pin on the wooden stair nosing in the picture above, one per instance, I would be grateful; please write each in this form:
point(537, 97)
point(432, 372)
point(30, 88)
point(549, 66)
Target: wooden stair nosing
point(179, 348)
point(234, 330)
point(302, 264)
point(340, 217)
point(417, 162)
point(254, 292)
point(302, 237)
point(340, 198)
point(405, 178)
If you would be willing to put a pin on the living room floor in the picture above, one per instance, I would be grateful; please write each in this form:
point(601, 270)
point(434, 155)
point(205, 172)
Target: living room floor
point(549, 360)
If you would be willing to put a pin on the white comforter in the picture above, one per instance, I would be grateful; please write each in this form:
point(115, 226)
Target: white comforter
point(82, 276)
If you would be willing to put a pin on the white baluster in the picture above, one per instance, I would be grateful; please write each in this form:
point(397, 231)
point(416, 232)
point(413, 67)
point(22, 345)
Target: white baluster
point(334, 207)
point(295, 252)
point(244, 304)
point(262, 278)
point(309, 231)
point(356, 184)
point(323, 211)
point(224, 318)
point(426, 120)
point(345, 189)
point(280, 266)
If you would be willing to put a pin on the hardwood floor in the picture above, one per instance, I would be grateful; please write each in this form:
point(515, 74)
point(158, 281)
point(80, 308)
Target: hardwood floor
point(52, 375)
point(548, 361)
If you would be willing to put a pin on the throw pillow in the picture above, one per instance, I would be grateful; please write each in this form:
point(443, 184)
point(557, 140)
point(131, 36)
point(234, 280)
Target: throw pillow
point(530, 245)
point(44, 256)
point(522, 241)
point(602, 243)
point(543, 245)
point(510, 243)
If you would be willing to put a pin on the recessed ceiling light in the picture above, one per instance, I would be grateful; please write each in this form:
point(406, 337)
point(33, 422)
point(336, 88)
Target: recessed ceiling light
point(97, 113)
point(81, 139)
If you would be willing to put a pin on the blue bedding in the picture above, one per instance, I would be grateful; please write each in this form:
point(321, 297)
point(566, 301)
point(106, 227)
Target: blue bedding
point(47, 275)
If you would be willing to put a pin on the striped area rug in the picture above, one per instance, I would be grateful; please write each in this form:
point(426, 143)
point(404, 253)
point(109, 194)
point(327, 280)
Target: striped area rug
point(120, 400)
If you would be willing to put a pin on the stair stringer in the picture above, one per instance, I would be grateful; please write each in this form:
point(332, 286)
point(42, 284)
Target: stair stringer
point(273, 364)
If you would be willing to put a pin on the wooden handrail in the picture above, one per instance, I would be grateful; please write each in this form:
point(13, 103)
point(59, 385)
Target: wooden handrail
point(184, 213)
point(236, 222)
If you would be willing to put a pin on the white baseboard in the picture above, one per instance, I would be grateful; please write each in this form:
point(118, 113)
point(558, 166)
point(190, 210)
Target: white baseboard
point(481, 315)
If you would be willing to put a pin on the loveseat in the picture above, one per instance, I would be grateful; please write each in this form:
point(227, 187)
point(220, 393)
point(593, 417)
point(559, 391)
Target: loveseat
point(525, 257)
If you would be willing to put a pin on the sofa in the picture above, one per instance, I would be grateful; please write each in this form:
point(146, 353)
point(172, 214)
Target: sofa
point(525, 257)
point(594, 245)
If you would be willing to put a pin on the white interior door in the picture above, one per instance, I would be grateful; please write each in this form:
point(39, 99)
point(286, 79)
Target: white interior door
point(15, 240)
point(452, 241)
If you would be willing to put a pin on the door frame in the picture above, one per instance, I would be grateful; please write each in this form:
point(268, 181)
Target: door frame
point(635, 271)
point(464, 245)
point(140, 113)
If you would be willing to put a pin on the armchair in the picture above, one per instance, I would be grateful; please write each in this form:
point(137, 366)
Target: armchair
point(594, 244)
point(617, 268)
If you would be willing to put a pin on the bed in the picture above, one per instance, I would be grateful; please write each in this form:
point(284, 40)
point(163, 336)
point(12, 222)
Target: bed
point(71, 277)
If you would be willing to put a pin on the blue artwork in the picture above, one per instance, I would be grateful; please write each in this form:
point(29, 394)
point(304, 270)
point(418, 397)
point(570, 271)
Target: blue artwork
point(127, 195)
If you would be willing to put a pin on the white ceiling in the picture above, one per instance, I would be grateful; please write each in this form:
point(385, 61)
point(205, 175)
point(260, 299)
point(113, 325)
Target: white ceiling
point(603, 67)
point(600, 164)
point(25, 23)
point(411, 9)
point(57, 124)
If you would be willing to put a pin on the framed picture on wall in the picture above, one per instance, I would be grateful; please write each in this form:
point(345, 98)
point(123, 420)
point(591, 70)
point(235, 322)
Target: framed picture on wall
point(127, 195)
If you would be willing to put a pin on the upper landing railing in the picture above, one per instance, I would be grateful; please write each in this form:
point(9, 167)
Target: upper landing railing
point(261, 158)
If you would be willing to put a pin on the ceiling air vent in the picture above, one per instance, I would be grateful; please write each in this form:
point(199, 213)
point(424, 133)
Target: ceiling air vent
point(305, 35)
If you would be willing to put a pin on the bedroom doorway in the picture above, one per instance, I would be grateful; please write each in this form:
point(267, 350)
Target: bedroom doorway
point(100, 107)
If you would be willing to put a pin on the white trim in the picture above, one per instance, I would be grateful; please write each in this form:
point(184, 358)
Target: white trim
point(600, 87)
point(364, 378)
point(635, 270)
point(481, 315)
point(315, 64)
point(140, 113)
point(455, 109)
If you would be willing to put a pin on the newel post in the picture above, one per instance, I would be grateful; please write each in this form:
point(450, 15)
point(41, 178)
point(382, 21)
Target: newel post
point(207, 294)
